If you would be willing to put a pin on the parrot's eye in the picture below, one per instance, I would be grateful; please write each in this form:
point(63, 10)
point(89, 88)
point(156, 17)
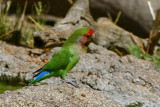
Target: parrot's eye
point(88, 35)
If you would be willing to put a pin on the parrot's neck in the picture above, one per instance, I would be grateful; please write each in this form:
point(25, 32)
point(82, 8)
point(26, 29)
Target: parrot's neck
point(75, 49)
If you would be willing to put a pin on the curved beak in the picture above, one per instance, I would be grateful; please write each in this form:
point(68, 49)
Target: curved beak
point(93, 36)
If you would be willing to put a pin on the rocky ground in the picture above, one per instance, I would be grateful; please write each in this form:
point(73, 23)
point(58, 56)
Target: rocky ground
point(57, 96)
point(104, 79)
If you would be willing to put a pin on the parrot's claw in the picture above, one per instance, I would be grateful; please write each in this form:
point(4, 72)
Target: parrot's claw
point(72, 82)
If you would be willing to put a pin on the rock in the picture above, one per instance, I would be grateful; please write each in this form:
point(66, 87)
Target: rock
point(57, 96)
point(128, 80)
point(105, 78)
point(125, 79)
point(136, 16)
point(78, 16)
point(15, 62)
point(13, 70)
point(109, 35)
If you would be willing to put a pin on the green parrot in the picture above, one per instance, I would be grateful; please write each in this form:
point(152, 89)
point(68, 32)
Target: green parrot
point(64, 60)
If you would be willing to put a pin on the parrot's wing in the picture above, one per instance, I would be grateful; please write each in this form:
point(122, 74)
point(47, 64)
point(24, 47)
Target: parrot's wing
point(59, 61)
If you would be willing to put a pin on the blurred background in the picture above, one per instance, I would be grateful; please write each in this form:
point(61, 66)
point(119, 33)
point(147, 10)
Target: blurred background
point(135, 15)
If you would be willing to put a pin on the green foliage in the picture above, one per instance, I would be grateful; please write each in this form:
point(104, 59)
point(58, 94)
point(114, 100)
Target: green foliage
point(11, 83)
point(39, 10)
point(4, 28)
point(137, 104)
point(18, 31)
point(135, 50)
point(118, 17)
point(27, 39)
point(4, 87)
point(18, 10)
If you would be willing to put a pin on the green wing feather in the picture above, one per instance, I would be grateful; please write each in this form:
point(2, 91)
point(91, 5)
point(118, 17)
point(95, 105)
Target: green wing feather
point(59, 61)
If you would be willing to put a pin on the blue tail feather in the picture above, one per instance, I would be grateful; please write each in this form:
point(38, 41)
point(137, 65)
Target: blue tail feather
point(42, 74)
point(39, 77)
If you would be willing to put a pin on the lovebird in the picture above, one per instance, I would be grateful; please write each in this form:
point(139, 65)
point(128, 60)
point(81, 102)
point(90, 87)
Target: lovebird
point(64, 60)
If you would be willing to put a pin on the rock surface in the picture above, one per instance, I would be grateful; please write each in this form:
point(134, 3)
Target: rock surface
point(57, 96)
point(110, 35)
point(77, 16)
point(18, 61)
point(104, 79)
point(136, 16)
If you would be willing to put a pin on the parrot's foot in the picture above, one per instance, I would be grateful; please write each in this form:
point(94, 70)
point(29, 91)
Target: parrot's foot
point(72, 82)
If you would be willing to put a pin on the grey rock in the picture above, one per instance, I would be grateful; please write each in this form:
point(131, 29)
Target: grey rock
point(109, 35)
point(14, 63)
point(126, 79)
point(77, 16)
point(11, 69)
point(136, 16)
point(57, 96)
point(104, 78)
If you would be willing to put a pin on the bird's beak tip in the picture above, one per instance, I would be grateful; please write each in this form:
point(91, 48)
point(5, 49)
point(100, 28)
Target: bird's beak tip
point(93, 36)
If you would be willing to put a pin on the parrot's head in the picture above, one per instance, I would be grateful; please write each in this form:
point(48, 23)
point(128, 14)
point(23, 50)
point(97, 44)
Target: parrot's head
point(81, 36)
point(87, 36)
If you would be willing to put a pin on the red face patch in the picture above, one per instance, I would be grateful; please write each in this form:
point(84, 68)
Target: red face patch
point(90, 32)
point(86, 37)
